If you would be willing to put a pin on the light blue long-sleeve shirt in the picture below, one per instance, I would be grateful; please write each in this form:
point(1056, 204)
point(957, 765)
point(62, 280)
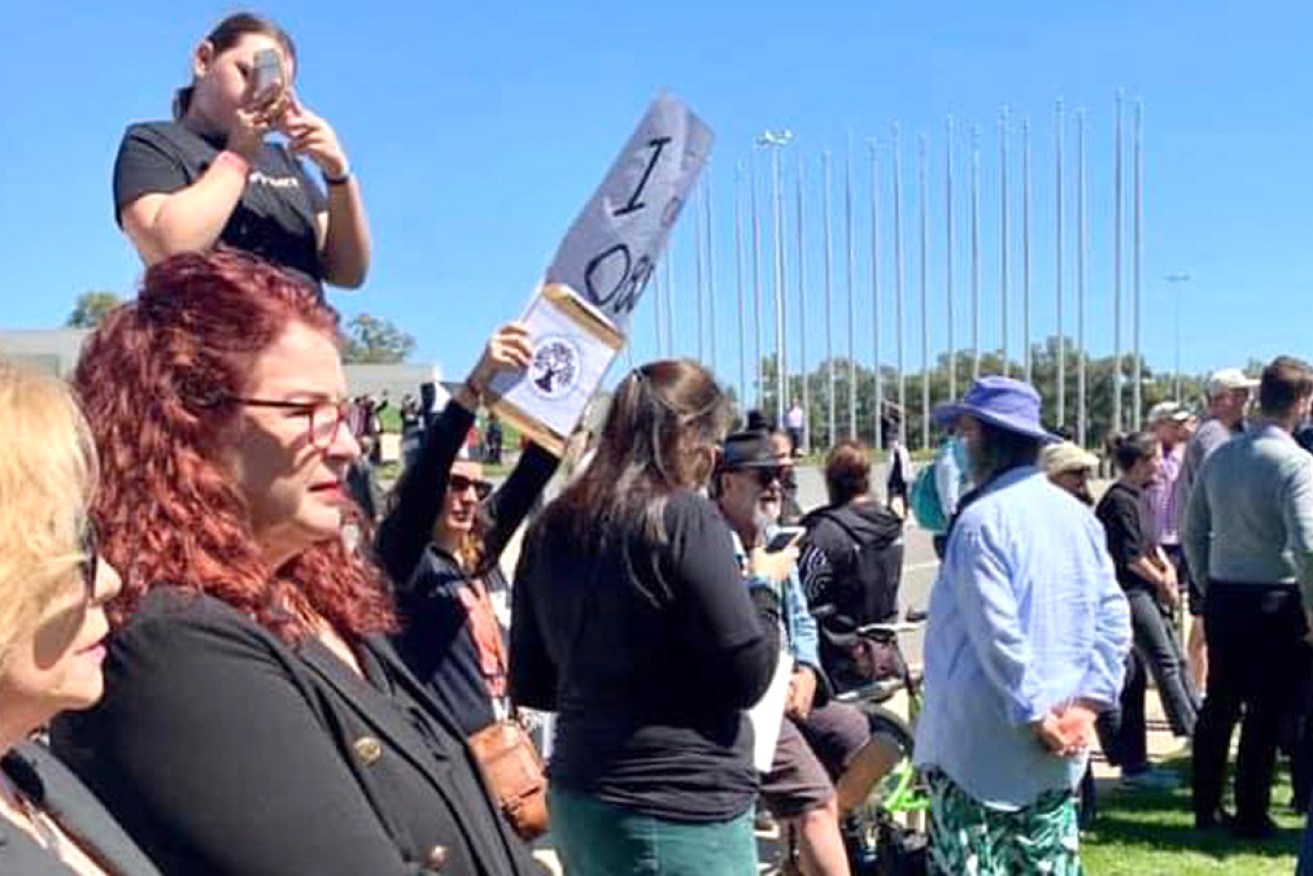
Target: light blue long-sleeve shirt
point(1025, 616)
point(800, 632)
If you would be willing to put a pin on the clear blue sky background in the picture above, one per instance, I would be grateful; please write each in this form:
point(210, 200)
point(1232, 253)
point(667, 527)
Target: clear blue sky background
point(479, 129)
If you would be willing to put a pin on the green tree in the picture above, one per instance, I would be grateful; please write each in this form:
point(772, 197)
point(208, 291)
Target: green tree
point(90, 308)
point(1156, 387)
point(373, 340)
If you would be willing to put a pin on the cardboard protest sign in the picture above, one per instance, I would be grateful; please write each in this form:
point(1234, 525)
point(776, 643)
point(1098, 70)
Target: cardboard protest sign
point(613, 246)
point(573, 346)
point(579, 317)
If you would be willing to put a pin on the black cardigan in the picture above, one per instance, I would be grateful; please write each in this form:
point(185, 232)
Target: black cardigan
point(436, 641)
point(223, 750)
point(40, 776)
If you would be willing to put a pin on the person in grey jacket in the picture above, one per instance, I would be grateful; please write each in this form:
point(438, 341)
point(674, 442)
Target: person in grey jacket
point(1248, 536)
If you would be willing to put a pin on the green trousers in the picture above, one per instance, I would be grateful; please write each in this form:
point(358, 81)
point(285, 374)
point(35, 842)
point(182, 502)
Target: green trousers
point(600, 839)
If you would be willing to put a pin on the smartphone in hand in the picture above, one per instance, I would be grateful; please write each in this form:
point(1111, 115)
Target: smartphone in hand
point(785, 536)
point(267, 80)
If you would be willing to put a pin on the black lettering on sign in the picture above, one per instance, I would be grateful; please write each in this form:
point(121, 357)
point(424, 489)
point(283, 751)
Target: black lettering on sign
point(638, 278)
point(614, 262)
point(656, 145)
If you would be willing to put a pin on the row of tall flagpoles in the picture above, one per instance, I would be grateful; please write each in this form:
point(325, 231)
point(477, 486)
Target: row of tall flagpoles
point(749, 279)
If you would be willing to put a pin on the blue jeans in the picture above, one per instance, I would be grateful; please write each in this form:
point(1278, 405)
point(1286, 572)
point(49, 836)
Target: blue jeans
point(601, 839)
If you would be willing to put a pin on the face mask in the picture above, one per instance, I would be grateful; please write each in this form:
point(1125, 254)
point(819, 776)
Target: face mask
point(958, 448)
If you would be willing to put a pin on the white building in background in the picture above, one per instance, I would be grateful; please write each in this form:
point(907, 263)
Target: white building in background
point(56, 352)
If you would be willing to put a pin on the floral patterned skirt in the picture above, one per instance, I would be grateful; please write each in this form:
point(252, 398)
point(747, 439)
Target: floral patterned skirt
point(970, 838)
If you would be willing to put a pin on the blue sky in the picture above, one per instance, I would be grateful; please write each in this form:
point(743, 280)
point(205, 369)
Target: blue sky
point(479, 130)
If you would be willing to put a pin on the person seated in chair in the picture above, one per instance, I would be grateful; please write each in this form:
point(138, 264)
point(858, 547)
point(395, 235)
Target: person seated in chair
point(826, 760)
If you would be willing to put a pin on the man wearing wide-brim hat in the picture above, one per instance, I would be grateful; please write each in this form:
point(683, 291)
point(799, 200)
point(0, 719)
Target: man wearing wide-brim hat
point(1026, 644)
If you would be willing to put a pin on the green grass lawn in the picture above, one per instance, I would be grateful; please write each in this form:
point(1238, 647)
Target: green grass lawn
point(1151, 832)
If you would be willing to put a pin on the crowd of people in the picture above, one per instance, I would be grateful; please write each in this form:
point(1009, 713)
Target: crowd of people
point(224, 651)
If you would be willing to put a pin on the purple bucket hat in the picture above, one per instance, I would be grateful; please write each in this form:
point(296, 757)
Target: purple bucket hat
point(1000, 401)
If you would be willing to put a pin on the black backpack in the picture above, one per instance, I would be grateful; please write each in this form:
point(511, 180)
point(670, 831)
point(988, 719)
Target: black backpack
point(865, 578)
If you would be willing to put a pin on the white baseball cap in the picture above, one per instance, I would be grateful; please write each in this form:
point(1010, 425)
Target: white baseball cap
point(1228, 379)
point(1168, 410)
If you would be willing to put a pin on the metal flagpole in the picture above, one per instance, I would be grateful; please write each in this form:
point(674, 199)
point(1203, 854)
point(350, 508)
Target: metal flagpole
point(829, 300)
point(1025, 247)
point(738, 274)
point(775, 142)
point(948, 258)
point(925, 292)
point(756, 283)
point(1082, 392)
point(1139, 247)
point(1003, 235)
point(711, 269)
point(698, 205)
point(900, 325)
point(802, 312)
point(658, 300)
point(877, 425)
point(852, 286)
point(975, 253)
point(1117, 277)
point(670, 298)
point(1061, 375)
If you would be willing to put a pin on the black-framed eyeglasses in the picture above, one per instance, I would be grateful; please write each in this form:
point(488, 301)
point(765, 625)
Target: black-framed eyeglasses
point(89, 565)
point(325, 417)
point(460, 483)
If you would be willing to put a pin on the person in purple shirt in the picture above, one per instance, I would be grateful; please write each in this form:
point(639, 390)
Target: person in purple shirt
point(1229, 392)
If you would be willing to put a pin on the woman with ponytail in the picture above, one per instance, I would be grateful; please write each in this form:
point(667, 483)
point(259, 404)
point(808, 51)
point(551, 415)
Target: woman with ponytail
point(633, 621)
point(208, 177)
point(1149, 580)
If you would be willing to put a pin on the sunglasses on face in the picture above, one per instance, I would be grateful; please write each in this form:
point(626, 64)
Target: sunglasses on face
point(460, 483)
point(765, 476)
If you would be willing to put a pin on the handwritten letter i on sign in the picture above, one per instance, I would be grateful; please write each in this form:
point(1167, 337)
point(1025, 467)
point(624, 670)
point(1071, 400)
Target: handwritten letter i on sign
point(613, 246)
point(580, 313)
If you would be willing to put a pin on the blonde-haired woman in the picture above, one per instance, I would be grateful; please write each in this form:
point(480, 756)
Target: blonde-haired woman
point(53, 588)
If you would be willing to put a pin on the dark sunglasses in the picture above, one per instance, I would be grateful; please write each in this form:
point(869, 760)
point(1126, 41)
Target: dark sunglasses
point(89, 565)
point(461, 483)
point(766, 475)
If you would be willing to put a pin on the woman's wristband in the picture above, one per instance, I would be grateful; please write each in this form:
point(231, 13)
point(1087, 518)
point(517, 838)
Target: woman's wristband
point(229, 158)
point(341, 180)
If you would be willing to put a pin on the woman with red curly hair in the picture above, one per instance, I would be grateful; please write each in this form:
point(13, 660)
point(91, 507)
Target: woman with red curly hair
point(255, 718)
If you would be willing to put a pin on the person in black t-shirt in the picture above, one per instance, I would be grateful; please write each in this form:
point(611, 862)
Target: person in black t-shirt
point(209, 178)
point(1149, 580)
point(632, 620)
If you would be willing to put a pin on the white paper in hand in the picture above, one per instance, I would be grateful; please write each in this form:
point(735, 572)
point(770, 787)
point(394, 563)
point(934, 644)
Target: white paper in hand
point(767, 715)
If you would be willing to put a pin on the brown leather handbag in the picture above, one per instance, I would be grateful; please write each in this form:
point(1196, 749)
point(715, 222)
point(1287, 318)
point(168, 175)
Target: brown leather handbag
point(514, 772)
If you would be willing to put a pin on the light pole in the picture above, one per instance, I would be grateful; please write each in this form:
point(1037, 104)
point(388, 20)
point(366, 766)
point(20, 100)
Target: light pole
point(1177, 280)
point(775, 141)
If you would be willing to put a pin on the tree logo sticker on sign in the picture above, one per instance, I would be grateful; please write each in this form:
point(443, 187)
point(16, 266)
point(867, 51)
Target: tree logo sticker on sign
point(554, 371)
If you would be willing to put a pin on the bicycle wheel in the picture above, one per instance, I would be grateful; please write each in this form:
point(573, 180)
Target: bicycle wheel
point(889, 723)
